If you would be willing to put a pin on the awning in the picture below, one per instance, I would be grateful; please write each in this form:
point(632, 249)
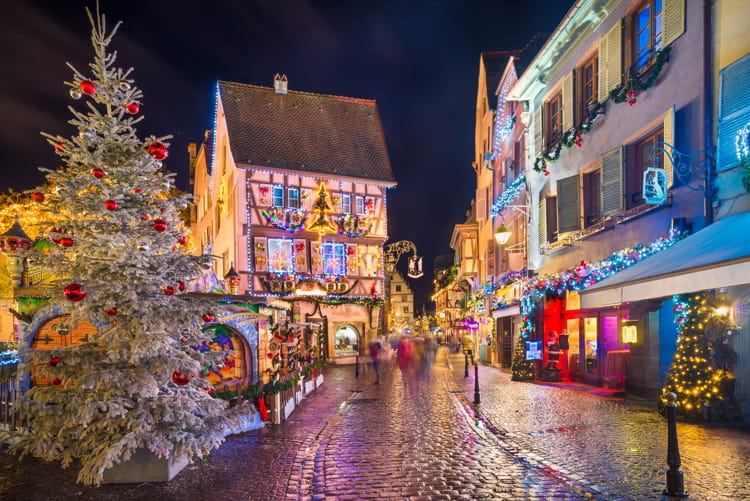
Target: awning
point(506, 312)
point(717, 256)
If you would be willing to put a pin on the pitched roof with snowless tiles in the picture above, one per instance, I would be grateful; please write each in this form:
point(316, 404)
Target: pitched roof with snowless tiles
point(306, 132)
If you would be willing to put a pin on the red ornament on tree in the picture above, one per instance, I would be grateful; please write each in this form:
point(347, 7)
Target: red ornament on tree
point(112, 312)
point(179, 379)
point(59, 147)
point(57, 381)
point(65, 242)
point(210, 391)
point(110, 205)
point(137, 190)
point(87, 87)
point(159, 225)
point(37, 197)
point(158, 151)
point(169, 290)
point(97, 173)
point(73, 292)
point(133, 108)
point(54, 361)
point(181, 286)
point(182, 240)
point(144, 217)
point(208, 317)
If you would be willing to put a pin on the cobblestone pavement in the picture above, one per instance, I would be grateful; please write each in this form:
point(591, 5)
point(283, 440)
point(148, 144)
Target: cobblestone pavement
point(423, 440)
point(617, 447)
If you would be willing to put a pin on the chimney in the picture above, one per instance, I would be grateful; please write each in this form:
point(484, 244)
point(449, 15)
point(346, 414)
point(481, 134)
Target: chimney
point(192, 154)
point(279, 83)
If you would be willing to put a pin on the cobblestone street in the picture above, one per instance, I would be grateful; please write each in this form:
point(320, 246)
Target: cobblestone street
point(421, 440)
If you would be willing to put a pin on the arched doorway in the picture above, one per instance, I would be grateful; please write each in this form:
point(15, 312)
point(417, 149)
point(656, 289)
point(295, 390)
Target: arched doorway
point(237, 365)
point(346, 341)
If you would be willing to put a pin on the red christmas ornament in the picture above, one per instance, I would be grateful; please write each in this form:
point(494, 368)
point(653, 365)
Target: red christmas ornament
point(159, 225)
point(632, 102)
point(110, 205)
point(73, 292)
point(37, 197)
point(144, 217)
point(137, 190)
point(158, 151)
point(87, 87)
point(208, 317)
point(133, 108)
point(210, 391)
point(59, 147)
point(179, 379)
point(57, 381)
point(182, 240)
point(65, 242)
point(112, 312)
point(97, 173)
point(270, 355)
point(54, 361)
point(181, 286)
point(169, 290)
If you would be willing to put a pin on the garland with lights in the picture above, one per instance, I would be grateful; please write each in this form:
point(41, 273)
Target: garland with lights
point(506, 197)
point(576, 279)
point(704, 391)
point(573, 136)
point(628, 90)
point(354, 226)
point(290, 220)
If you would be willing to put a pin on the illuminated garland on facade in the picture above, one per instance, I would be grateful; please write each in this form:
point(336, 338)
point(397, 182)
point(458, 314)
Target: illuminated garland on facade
point(354, 226)
point(506, 197)
point(290, 220)
point(577, 279)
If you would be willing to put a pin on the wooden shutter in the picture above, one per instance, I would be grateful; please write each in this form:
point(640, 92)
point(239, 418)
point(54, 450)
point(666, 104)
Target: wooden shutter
point(669, 139)
point(300, 255)
point(734, 110)
point(490, 259)
point(612, 181)
point(568, 202)
point(602, 90)
point(542, 229)
point(352, 261)
point(316, 259)
point(481, 204)
point(261, 254)
point(307, 197)
point(674, 20)
point(614, 56)
point(538, 135)
point(264, 195)
point(567, 102)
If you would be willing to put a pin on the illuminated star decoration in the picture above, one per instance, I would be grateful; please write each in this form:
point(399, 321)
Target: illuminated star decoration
point(322, 224)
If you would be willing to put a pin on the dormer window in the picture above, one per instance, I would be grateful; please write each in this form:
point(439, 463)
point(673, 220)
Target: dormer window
point(293, 198)
point(277, 196)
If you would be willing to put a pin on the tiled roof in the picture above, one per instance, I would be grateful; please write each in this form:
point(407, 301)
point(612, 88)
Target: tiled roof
point(301, 131)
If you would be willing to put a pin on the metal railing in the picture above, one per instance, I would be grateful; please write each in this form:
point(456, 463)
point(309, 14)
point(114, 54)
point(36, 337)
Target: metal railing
point(10, 391)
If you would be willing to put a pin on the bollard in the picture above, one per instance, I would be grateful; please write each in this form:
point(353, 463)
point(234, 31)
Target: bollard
point(675, 481)
point(476, 384)
point(466, 364)
point(356, 368)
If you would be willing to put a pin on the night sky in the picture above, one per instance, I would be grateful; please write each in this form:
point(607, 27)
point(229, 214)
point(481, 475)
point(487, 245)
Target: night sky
point(418, 59)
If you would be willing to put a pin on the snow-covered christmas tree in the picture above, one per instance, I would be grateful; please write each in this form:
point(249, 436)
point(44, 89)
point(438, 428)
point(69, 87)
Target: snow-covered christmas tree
point(120, 249)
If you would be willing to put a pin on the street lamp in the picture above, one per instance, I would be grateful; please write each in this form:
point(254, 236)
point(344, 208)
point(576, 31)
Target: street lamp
point(502, 235)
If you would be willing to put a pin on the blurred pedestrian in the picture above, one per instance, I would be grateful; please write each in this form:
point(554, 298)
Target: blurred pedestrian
point(375, 352)
point(404, 354)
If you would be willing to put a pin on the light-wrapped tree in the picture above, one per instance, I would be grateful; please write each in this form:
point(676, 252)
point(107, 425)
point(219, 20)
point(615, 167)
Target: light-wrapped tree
point(132, 384)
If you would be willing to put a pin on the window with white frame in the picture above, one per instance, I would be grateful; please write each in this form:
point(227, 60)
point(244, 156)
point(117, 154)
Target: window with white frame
point(293, 198)
point(277, 196)
point(280, 255)
point(360, 205)
point(346, 203)
point(334, 258)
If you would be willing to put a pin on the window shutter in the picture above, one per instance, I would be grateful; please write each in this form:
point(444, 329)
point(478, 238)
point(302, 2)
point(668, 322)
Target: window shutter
point(352, 260)
point(490, 259)
point(568, 201)
point(674, 20)
point(612, 180)
point(481, 204)
point(542, 222)
point(567, 102)
point(734, 110)
point(307, 195)
point(669, 139)
point(614, 56)
point(538, 136)
point(261, 254)
point(316, 259)
point(602, 90)
point(264, 192)
point(300, 255)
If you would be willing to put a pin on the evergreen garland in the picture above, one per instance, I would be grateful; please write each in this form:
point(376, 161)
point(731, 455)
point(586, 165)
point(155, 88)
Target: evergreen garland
point(633, 85)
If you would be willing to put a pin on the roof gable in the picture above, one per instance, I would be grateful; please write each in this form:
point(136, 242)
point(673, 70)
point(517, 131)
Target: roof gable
point(301, 131)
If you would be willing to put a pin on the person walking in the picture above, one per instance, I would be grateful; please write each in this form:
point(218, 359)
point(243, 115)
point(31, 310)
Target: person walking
point(375, 352)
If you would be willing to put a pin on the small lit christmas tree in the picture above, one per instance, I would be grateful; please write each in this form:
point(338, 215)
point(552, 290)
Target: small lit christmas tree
point(119, 246)
point(522, 369)
point(702, 389)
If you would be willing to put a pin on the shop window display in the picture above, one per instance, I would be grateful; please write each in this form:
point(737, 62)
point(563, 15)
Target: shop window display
point(346, 341)
point(232, 368)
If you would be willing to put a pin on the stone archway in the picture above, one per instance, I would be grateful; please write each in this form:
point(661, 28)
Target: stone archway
point(347, 341)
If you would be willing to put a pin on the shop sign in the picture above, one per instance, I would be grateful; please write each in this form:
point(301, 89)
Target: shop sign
point(533, 350)
point(655, 186)
point(629, 332)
